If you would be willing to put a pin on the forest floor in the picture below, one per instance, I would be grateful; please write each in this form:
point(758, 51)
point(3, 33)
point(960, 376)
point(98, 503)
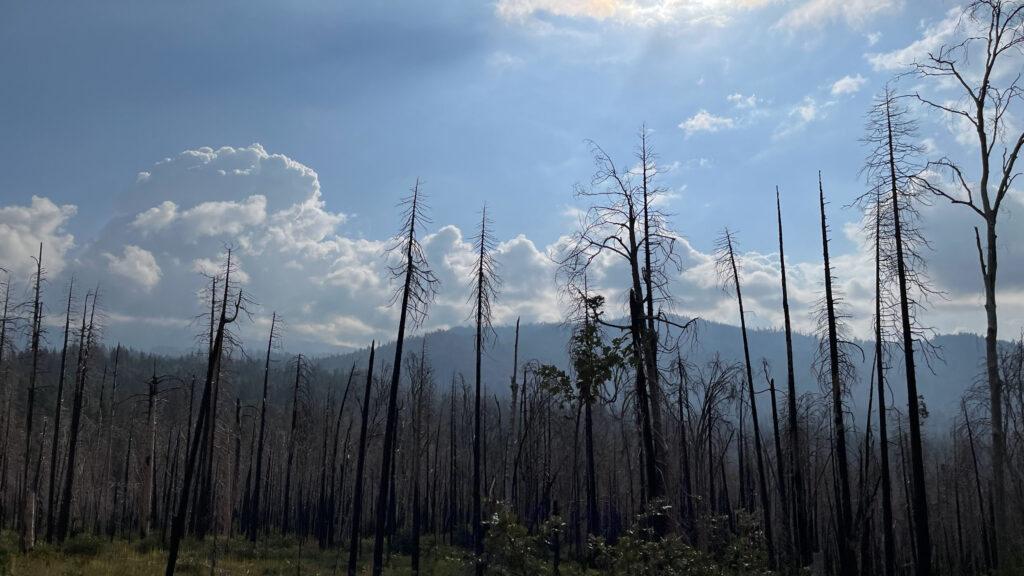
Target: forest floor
point(86, 555)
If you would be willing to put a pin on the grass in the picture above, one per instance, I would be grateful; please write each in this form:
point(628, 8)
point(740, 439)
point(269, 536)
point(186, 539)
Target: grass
point(88, 555)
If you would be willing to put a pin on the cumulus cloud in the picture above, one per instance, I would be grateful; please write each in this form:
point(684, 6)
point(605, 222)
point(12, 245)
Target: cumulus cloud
point(137, 265)
point(24, 228)
point(704, 121)
point(332, 288)
point(848, 84)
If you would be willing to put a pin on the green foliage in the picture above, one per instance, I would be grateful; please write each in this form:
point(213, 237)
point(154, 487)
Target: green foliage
point(555, 381)
point(593, 359)
point(513, 551)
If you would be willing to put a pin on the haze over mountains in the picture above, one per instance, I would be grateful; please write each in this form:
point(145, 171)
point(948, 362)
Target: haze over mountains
point(960, 364)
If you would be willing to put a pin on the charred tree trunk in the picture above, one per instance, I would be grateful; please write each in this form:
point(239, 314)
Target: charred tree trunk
point(57, 413)
point(921, 533)
point(847, 560)
point(357, 494)
point(889, 541)
point(762, 482)
point(28, 516)
point(286, 510)
point(801, 536)
point(254, 505)
point(205, 409)
point(81, 376)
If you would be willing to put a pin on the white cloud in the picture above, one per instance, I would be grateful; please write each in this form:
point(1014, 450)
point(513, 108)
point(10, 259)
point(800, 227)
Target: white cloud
point(137, 265)
point(818, 13)
point(631, 12)
point(741, 101)
point(157, 217)
point(224, 218)
point(848, 84)
point(333, 287)
point(932, 38)
point(704, 121)
point(800, 116)
point(23, 228)
point(873, 38)
point(502, 61)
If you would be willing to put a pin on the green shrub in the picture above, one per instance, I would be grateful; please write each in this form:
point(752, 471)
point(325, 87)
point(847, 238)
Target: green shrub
point(83, 545)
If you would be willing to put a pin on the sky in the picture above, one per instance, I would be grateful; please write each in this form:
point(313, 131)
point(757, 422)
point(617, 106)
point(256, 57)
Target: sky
point(139, 140)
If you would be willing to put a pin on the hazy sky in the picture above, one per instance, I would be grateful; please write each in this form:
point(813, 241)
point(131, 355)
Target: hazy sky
point(139, 139)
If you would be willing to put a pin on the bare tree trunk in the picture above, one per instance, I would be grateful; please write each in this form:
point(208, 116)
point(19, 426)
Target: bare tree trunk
point(921, 534)
point(801, 535)
point(149, 445)
point(357, 494)
point(419, 284)
point(212, 370)
point(883, 434)
point(762, 482)
point(254, 506)
point(28, 517)
point(57, 412)
point(847, 561)
point(286, 510)
point(81, 375)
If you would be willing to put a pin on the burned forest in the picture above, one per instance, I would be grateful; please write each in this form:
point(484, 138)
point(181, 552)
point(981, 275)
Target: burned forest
point(804, 385)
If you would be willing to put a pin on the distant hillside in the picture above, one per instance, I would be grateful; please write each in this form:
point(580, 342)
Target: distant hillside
point(451, 352)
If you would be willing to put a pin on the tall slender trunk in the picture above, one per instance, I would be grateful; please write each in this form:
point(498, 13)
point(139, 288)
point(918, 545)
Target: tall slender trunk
point(513, 430)
point(846, 557)
point(57, 413)
point(357, 494)
point(212, 369)
point(780, 463)
point(686, 482)
point(478, 535)
point(286, 510)
point(921, 534)
point(28, 516)
point(391, 421)
point(651, 333)
point(332, 498)
point(109, 460)
point(883, 434)
point(254, 506)
point(802, 537)
point(149, 445)
point(762, 482)
point(81, 375)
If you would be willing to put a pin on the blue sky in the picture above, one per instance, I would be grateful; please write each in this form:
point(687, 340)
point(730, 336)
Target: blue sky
point(153, 134)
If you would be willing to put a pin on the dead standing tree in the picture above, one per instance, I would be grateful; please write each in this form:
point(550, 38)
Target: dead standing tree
point(254, 504)
point(728, 273)
point(802, 537)
point(212, 370)
point(57, 413)
point(892, 218)
point(28, 511)
point(417, 291)
point(624, 223)
point(974, 66)
point(835, 370)
point(485, 285)
point(86, 342)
